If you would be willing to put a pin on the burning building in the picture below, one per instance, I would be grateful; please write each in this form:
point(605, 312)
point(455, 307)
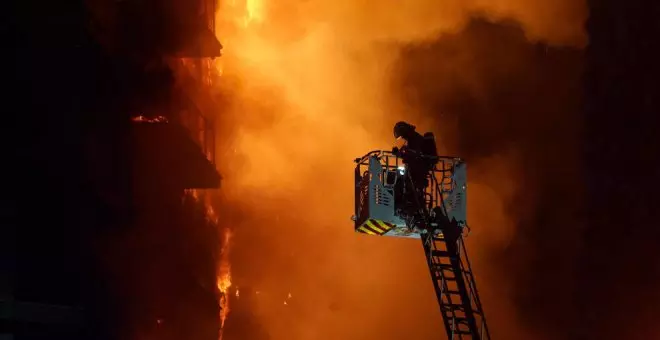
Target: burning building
point(111, 235)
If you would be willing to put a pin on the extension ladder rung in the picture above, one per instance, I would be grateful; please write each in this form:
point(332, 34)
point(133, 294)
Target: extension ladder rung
point(440, 253)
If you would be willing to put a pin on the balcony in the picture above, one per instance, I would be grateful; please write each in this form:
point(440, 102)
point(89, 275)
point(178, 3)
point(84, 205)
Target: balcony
point(176, 28)
point(175, 150)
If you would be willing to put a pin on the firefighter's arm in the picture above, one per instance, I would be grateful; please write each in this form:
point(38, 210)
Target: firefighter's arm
point(414, 153)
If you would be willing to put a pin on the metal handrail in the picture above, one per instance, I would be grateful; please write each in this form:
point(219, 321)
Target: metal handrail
point(381, 153)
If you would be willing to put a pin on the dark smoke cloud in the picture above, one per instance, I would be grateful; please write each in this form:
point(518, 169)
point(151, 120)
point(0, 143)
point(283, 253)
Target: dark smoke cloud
point(499, 100)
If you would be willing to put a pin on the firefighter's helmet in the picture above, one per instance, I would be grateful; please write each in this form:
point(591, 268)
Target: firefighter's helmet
point(403, 129)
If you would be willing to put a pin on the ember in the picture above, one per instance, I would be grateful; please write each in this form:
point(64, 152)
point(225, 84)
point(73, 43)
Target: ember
point(144, 119)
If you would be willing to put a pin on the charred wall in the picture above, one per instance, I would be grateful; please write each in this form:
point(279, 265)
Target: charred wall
point(81, 249)
point(58, 84)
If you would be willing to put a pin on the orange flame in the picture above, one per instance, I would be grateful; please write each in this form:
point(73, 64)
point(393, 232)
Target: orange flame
point(224, 267)
point(224, 279)
point(253, 11)
point(143, 119)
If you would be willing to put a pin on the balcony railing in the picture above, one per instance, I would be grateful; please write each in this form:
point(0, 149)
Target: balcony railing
point(197, 127)
point(200, 130)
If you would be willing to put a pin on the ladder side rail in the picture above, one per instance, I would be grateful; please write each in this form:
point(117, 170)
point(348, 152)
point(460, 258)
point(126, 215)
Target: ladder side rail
point(473, 289)
point(437, 274)
point(440, 290)
point(453, 303)
point(467, 291)
point(466, 268)
point(450, 307)
point(446, 172)
point(452, 247)
point(473, 294)
point(438, 199)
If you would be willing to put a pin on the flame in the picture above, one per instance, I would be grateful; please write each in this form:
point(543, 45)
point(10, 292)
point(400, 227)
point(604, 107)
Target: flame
point(224, 282)
point(211, 215)
point(254, 11)
point(144, 119)
point(224, 279)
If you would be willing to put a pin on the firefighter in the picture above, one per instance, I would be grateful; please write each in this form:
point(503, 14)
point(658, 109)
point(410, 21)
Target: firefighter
point(419, 154)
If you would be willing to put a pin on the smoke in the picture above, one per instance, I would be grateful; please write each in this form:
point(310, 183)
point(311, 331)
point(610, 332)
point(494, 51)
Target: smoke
point(511, 109)
point(309, 86)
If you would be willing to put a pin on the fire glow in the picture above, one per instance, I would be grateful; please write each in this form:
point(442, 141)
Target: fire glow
point(144, 119)
point(224, 279)
point(254, 11)
point(309, 83)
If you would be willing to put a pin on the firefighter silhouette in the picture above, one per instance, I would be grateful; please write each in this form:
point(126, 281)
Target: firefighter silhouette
point(419, 154)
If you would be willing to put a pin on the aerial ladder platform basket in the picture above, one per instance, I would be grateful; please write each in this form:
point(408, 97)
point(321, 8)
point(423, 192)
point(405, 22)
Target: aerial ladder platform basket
point(441, 219)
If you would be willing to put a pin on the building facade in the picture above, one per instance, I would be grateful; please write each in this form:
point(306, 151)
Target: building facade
point(103, 242)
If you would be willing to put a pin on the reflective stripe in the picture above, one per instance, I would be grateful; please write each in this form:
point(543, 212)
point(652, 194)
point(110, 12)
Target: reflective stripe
point(375, 227)
point(365, 230)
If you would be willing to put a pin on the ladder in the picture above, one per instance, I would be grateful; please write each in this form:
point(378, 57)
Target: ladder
point(454, 284)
